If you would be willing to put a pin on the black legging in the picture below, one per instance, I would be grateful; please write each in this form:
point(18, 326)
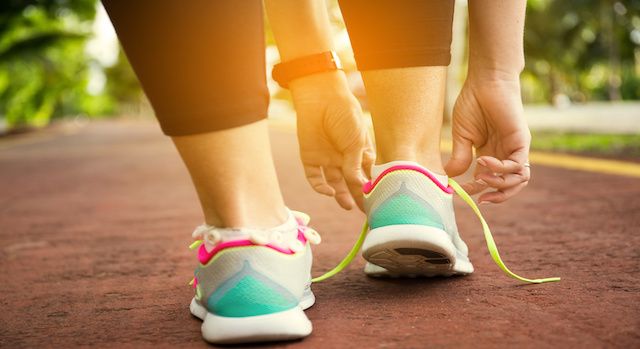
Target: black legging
point(201, 62)
point(394, 34)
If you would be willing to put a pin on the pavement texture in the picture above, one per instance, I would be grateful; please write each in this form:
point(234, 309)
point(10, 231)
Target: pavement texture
point(95, 224)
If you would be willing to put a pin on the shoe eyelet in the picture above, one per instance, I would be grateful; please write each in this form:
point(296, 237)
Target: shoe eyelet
point(312, 236)
point(302, 217)
point(200, 230)
point(212, 237)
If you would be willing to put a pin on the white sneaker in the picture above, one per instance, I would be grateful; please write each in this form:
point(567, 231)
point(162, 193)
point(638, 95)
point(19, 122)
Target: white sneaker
point(253, 285)
point(413, 230)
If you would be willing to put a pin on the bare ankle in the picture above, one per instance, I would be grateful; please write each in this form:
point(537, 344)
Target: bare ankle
point(430, 160)
point(247, 216)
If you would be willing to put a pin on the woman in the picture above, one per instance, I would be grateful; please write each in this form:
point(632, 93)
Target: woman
point(201, 64)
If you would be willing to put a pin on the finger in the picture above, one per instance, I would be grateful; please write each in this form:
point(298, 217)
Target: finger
point(368, 157)
point(501, 195)
point(504, 181)
point(320, 158)
point(317, 180)
point(521, 153)
point(500, 166)
point(474, 187)
point(336, 180)
point(353, 175)
point(461, 156)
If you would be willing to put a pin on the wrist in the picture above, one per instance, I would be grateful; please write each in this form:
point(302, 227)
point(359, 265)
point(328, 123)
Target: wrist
point(285, 72)
point(301, 49)
point(484, 72)
point(487, 66)
point(323, 83)
point(297, 49)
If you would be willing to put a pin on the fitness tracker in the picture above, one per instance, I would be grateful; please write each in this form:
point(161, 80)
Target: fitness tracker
point(283, 73)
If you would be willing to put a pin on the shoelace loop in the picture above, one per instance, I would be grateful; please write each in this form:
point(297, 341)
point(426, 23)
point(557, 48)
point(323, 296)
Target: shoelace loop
point(209, 234)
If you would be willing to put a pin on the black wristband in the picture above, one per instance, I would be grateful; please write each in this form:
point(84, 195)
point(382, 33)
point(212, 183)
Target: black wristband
point(283, 73)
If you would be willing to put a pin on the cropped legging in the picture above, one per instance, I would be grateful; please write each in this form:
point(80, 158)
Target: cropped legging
point(201, 63)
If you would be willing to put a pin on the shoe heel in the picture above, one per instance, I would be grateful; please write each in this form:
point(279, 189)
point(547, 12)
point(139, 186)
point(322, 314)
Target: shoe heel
point(411, 250)
point(285, 325)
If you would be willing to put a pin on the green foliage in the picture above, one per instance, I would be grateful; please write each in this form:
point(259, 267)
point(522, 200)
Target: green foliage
point(585, 49)
point(43, 66)
point(122, 84)
point(596, 144)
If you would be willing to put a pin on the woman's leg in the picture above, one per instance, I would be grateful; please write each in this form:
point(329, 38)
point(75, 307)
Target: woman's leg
point(407, 109)
point(234, 176)
point(201, 65)
point(402, 49)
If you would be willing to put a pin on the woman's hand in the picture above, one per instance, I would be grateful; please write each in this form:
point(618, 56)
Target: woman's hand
point(488, 115)
point(334, 143)
point(335, 147)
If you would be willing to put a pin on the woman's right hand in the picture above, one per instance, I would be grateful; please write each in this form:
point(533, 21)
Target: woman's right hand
point(488, 116)
point(335, 146)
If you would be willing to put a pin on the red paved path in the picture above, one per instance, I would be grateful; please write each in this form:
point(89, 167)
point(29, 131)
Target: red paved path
point(94, 229)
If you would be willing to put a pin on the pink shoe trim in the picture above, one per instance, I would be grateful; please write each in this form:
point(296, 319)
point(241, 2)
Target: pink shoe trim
point(205, 256)
point(368, 187)
point(301, 237)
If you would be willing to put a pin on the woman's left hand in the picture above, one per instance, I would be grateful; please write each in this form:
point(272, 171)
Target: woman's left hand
point(488, 115)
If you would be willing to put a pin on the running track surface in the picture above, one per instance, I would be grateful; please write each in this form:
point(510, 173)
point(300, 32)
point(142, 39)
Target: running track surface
point(94, 229)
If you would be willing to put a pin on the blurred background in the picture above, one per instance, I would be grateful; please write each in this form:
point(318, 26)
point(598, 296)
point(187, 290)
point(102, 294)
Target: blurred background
point(60, 60)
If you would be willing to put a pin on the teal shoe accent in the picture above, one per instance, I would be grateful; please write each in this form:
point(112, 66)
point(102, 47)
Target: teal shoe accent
point(249, 293)
point(405, 207)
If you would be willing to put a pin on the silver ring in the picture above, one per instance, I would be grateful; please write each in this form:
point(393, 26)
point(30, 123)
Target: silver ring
point(526, 164)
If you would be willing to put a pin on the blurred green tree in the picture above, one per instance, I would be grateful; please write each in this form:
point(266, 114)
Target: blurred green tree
point(584, 49)
point(43, 66)
point(123, 86)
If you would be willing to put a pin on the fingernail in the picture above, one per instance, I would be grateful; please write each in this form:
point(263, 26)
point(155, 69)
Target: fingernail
point(481, 182)
point(482, 162)
point(484, 202)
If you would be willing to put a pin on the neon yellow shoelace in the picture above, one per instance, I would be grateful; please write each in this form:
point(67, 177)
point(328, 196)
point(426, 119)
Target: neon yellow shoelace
point(491, 244)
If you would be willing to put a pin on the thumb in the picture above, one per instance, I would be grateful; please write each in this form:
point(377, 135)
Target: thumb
point(460, 157)
point(368, 157)
point(352, 172)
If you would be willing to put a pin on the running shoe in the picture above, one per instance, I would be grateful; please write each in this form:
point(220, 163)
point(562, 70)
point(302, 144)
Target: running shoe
point(412, 225)
point(411, 228)
point(253, 285)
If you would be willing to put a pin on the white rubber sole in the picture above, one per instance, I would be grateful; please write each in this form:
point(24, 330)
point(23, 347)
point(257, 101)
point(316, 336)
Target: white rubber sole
point(409, 250)
point(285, 325)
